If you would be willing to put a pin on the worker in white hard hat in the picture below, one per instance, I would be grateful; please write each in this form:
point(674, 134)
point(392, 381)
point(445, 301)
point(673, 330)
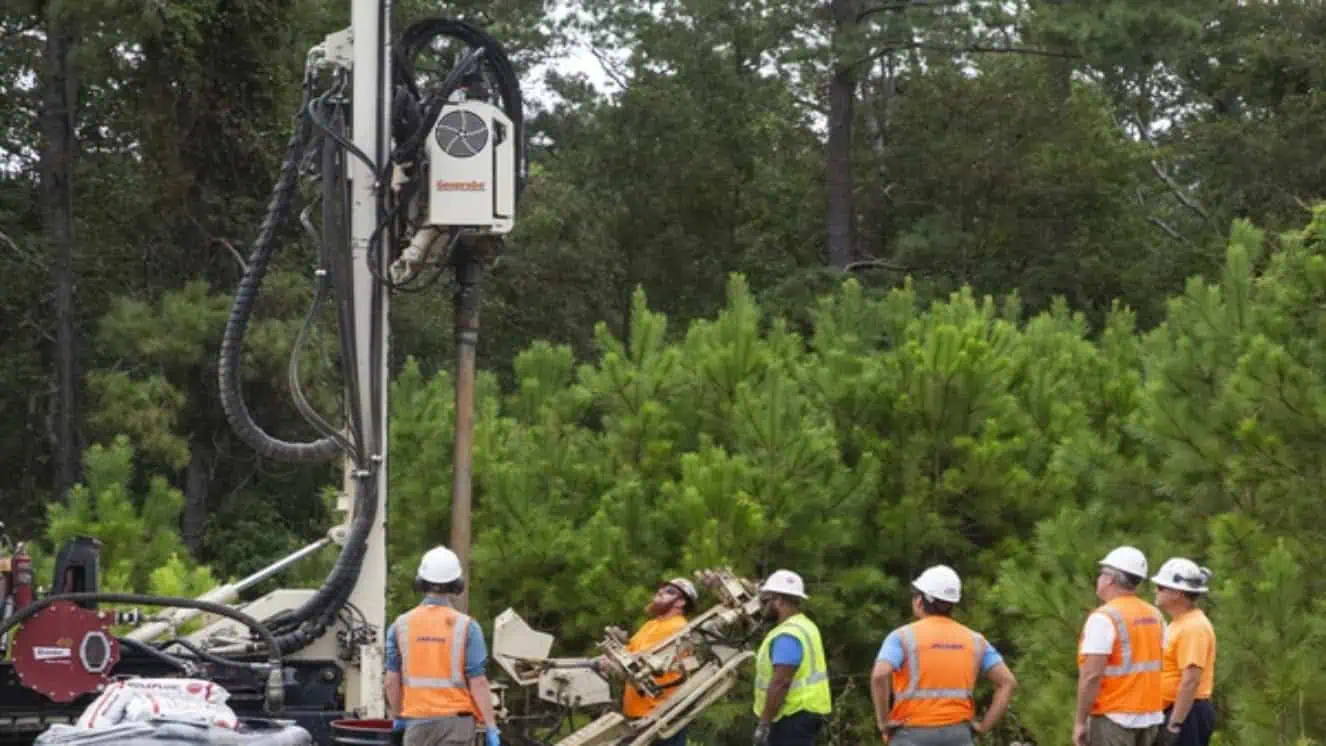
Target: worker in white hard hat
point(1119, 699)
point(436, 683)
point(792, 698)
point(1188, 669)
point(931, 667)
point(667, 613)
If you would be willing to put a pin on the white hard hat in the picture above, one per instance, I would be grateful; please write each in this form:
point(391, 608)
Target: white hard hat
point(1127, 559)
point(1182, 574)
point(439, 565)
point(785, 582)
point(940, 583)
point(686, 587)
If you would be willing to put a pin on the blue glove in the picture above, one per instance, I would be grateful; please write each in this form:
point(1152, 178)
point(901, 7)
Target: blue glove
point(492, 736)
point(398, 724)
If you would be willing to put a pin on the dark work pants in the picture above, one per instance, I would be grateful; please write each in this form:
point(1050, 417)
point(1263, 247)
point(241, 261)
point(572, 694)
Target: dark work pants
point(1198, 726)
point(797, 729)
point(677, 740)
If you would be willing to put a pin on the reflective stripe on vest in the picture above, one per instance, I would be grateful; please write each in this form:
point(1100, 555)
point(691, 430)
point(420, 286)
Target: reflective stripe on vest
point(912, 657)
point(457, 678)
point(1131, 678)
point(1126, 665)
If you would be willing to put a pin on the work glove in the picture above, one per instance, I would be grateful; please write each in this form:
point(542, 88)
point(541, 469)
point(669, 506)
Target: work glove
point(492, 736)
point(761, 737)
point(398, 724)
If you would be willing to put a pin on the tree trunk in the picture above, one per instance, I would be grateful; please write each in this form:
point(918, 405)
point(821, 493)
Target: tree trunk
point(198, 480)
point(873, 211)
point(841, 213)
point(59, 96)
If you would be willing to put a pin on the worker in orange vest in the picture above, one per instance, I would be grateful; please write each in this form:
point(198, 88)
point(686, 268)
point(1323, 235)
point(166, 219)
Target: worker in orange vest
point(1119, 700)
point(1187, 671)
point(931, 666)
point(436, 658)
point(667, 614)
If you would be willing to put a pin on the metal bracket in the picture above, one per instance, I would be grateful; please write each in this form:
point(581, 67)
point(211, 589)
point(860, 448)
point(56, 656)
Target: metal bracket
point(335, 50)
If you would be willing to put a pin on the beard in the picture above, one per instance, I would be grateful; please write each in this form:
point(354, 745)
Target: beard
point(769, 613)
point(656, 609)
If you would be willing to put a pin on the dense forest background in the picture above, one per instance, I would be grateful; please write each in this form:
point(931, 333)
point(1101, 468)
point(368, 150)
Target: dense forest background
point(847, 286)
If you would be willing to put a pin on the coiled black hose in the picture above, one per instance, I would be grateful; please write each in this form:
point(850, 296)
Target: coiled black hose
point(232, 341)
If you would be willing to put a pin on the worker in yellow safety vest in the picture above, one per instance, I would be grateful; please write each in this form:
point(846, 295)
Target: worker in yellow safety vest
point(436, 657)
point(792, 698)
point(667, 612)
point(1119, 700)
point(931, 666)
point(1187, 672)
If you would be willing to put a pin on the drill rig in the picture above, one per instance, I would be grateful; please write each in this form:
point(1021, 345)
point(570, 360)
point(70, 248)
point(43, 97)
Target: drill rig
point(407, 179)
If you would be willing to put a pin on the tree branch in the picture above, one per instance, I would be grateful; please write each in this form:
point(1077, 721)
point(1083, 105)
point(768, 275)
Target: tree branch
point(970, 48)
point(1171, 230)
point(1144, 133)
point(239, 258)
point(877, 264)
point(886, 7)
point(608, 68)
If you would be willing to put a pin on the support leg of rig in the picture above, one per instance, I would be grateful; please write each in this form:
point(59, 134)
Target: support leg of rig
point(469, 258)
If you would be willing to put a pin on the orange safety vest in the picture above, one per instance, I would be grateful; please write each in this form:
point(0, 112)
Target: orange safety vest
point(941, 664)
point(432, 645)
point(1131, 682)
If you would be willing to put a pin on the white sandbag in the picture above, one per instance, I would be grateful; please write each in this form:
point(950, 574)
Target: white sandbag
point(106, 710)
point(258, 733)
point(147, 706)
point(199, 689)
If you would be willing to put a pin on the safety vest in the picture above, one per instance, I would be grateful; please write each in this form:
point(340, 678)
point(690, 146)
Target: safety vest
point(1131, 682)
point(432, 644)
point(809, 691)
point(941, 664)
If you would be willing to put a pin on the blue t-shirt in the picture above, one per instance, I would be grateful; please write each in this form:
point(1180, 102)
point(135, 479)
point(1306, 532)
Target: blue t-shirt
point(891, 651)
point(785, 651)
point(476, 650)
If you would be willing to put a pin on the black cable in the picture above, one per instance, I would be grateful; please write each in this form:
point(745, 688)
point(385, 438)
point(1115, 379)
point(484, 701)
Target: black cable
point(143, 648)
point(209, 657)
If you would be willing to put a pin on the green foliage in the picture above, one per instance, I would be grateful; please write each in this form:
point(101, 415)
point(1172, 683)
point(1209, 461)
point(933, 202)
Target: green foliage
point(141, 551)
point(898, 434)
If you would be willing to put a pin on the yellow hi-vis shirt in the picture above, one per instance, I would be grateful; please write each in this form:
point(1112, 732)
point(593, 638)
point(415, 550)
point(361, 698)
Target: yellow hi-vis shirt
point(809, 691)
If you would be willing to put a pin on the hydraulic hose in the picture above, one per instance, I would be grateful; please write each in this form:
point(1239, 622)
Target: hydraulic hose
point(178, 664)
point(232, 341)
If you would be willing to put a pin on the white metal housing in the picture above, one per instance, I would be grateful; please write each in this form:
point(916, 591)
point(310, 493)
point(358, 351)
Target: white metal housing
point(472, 168)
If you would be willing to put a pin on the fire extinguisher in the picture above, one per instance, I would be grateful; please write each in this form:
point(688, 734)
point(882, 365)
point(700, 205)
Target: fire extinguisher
point(22, 581)
point(6, 598)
